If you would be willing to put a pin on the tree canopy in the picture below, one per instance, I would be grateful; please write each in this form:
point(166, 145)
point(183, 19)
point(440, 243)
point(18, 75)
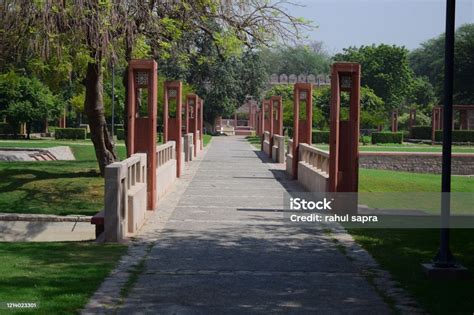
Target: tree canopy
point(428, 61)
point(85, 36)
point(25, 100)
point(385, 69)
point(299, 59)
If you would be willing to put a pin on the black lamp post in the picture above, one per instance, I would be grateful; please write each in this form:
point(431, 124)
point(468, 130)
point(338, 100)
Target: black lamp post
point(444, 258)
point(444, 265)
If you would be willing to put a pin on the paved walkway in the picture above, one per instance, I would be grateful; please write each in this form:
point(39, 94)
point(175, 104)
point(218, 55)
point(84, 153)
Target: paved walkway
point(224, 249)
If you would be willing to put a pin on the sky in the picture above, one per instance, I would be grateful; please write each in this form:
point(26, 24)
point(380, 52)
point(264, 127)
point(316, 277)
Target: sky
point(344, 23)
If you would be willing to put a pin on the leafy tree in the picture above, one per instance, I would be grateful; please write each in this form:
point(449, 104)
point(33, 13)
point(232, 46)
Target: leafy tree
point(428, 61)
point(26, 100)
point(421, 119)
point(300, 59)
point(385, 70)
point(422, 95)
point(110, 30)
point(372, 113)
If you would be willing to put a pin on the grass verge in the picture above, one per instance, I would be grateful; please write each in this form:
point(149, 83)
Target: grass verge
point(401, 252)
point(59, 277)
point(255, 141)
point(53, 187)
point(371, 180)
point(206, 139)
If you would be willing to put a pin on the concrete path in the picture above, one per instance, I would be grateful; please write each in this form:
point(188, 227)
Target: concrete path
point(225, 250)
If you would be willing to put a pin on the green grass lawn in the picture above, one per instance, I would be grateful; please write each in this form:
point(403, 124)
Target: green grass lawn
point(53, 187)
point(59, 277)
point(401, 251)
point(255, 141)
point(206, 139)
point(371, 180)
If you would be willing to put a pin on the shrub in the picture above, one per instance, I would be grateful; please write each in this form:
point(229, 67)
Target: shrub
point(120, 133)
point(365, 139)
point(387, 137)
point(319, 136)
point(458, 135)
point(70, 133)
point(421, 132)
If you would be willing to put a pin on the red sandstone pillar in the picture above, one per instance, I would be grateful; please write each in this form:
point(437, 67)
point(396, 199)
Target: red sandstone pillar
point(412, 121)
point(201, 122)
point(302, 129)
point(278, 116)
point(172, 91)
point(141, 137)
point(62, 120)
point(186, 117)
point(192, 101)
point(463, 123)
point(344, 135)
point(395, 121)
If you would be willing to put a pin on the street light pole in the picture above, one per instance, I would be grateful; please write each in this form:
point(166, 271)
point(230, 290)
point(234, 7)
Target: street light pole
point(444, 265)
point(444, 258)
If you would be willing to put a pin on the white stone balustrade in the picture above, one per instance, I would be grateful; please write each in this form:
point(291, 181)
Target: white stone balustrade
point(278, 149)
point(313, 168)
point(166, 168)
point(125, 197)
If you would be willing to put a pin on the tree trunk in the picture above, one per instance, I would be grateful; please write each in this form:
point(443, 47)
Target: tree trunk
point(28, 130)
point(128, 57)
point(94, 107)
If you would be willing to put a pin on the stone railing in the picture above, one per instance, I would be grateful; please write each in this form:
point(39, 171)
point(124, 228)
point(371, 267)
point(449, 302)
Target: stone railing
point(289, 149)
point(266, 136)
point(317, 158)
point(313, 168)
point(125, 197)
point(166, 168)
point(165, 152)
point(188, 147)
point(289, 157)
point(278, 149)
point(199, 143)
point(266, 143)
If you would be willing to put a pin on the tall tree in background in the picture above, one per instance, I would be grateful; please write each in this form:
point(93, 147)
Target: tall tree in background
point(385, 70)
point(428, 61)
point(299, 59)
point(101, 28)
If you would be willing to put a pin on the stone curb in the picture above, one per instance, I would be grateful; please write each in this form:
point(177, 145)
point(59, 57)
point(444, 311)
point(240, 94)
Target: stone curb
point(43, 217)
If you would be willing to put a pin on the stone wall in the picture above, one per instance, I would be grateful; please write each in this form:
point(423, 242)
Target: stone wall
point(462, 163)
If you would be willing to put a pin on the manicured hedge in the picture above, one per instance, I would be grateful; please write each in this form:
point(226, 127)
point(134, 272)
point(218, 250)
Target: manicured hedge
point(70, 133)
point(421, 132)
point(387, 137)
point(120, 133)
point(319, 136)
point(458, 135)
